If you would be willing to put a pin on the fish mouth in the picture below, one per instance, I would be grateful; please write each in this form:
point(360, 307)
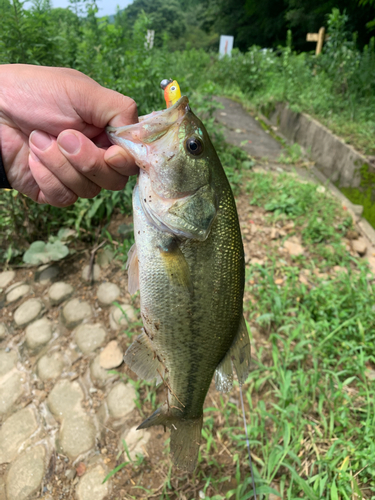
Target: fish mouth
point(138, 139)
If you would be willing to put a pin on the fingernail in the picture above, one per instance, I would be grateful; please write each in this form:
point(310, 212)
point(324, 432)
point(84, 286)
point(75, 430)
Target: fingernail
point(40, 140)
point(70, 143)
point(117, 161)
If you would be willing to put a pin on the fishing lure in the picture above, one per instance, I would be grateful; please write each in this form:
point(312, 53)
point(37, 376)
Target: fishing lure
point(172, 91)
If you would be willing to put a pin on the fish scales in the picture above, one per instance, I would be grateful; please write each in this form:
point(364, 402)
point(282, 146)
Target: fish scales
point(189, 265)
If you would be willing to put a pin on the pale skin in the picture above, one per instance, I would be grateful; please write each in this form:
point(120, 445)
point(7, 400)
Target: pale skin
point(52, 134)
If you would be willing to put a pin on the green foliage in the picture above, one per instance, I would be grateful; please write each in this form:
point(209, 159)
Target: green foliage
point(309, 206)
point(42, 253)
point(338, 87)
point(319, 412)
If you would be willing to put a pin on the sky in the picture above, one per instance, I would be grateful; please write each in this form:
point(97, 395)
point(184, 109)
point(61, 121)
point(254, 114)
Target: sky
point(106, 7)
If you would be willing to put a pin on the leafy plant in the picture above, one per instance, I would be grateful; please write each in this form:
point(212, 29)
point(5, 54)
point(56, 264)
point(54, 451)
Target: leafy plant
point(42, 253)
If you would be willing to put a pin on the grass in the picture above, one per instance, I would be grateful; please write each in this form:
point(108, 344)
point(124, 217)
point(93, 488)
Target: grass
point(309, 400)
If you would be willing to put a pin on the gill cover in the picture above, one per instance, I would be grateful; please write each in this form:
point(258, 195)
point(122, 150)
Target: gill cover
point(175, 154)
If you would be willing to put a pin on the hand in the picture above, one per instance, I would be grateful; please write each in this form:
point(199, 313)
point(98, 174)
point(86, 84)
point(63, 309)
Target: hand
point(52, 138)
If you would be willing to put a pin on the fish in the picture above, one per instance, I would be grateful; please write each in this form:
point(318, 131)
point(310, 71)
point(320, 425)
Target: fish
point(188, 264)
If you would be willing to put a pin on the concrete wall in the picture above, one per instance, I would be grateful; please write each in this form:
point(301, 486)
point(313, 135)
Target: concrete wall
point(335, 159)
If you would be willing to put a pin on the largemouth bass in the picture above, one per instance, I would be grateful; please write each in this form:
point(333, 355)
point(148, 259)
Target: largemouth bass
point(188, 263)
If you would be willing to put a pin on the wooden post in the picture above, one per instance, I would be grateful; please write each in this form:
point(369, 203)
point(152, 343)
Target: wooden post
point(319, 38)
point(319, 45)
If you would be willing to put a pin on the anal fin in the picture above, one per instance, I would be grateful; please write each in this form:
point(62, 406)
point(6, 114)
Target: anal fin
point(238, 357)
point(142, 358)
point(185, 435)
point(133, 270)
point(224, 375)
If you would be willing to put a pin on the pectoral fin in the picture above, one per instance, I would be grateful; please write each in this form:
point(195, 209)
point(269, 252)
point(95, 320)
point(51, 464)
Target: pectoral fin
point(238, 357)
point(142, 358)
point(175, 265)
point(133, 270)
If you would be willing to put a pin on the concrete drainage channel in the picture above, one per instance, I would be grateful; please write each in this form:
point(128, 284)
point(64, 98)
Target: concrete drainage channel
point(335, 161)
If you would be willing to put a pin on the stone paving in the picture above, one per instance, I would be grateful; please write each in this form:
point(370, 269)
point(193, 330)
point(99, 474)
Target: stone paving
point(60, 398)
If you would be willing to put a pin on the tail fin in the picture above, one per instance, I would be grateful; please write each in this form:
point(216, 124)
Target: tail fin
point(185, 436)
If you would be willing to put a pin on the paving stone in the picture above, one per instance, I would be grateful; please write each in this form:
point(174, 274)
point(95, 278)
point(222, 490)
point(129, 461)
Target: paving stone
point(28, 312)
point(15, 431)
point(8, 360)
point(10, 390)
point(77, 435)
point(111, 356)
point(120, 400)
point(50, 366)
point(59, 292)
point(89, 337)
point(75, 311)
point(107, 293)
point(38, 333)
point(18, 292)
point(98, 374)
point(26, 473)
point(122, 318)
point(46, 273)
point(65, 398)
point(135, 441)
point(13, 286)
point(2, 489)
point(95, 273)
point(91, 485)
point(3, 332)
point(6, 277)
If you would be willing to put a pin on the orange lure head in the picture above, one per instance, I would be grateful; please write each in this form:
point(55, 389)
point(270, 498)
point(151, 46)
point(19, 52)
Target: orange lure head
point(172, 91)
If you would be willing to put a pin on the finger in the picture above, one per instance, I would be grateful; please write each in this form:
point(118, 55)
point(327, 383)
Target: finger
point(51, 190)
point(90, 161)
point(46, 150)
point(119, 160)
point(100, 106)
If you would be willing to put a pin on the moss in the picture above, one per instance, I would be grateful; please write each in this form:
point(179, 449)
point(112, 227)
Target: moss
point(268, 108)
point(365, 194)
point(272, 133)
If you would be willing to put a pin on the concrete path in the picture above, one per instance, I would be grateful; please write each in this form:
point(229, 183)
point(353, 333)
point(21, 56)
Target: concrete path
point(244, 131)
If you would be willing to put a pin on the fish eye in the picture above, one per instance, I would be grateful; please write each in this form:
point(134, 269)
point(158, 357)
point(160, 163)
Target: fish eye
point(194, 146)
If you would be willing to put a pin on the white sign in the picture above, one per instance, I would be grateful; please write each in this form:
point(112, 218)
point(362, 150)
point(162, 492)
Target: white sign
point(226, 45)
point(149, 43)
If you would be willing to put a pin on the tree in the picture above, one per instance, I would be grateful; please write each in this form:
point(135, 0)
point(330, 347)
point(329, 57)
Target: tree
point(166, 17)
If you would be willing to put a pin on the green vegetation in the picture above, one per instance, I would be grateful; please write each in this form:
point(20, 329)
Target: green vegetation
point(336, 87)
point(365, 194)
